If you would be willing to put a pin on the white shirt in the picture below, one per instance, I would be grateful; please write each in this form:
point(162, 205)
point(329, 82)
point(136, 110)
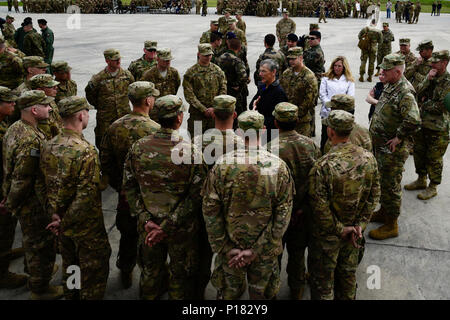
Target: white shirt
point(328, 88)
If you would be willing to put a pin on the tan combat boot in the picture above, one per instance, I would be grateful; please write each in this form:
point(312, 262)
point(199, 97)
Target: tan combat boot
point(12, 280)
point(378, 216)
point(51, 293)
point(429, 192)
point(361, 78)
point(297, 294)
point(369, 79)
point(388, 230)
point(419, 184)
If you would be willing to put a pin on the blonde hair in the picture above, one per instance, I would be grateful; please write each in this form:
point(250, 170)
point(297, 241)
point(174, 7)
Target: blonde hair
point(347, 72)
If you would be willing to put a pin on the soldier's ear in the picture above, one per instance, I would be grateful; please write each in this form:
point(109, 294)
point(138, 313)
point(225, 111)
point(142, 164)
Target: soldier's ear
point(234, 115)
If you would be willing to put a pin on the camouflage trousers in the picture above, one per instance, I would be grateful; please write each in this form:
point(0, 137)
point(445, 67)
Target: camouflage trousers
point(380, 56)
point(364, 56)
point(126, 224)
point(7, 230)
point(205, 255)
point(332, 265)
point(322, 17)
point(92, 256)
point(182, 268)
point(429, 150)
point(195, 115)
point(391, 167)
point(304, 128)
point(39, 245)
point(263, 276)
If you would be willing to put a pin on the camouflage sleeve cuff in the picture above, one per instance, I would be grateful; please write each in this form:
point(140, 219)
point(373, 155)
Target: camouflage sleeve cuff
point(339, 228)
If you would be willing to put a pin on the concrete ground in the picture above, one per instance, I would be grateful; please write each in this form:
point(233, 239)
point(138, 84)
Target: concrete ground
point(413, 266)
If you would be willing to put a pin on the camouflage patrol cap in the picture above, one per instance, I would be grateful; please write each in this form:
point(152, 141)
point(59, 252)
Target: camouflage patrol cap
point(112, 54)
point(215, 22)
point(339, 120)
point(168, 106)
point(33, 97)
point(284, 10)
point(10, 17)
point(313, 26)
point(385, 24)
point(285, 112)
point(164, 54)
point(224, 103)
point(34, 62)
point(42, 81)
point(425, 44)
point(71, 105)
point(227, 10)
point(295, 52)
point(341, 102)
point(142, 89)
point(150, 45)
point(392, 60)
point(405, 41)
point(251, 120)
point(439, 56)
point(6, 95)
point(60, 66)
point(205, 49)
point(239, 12)
point(231, 20)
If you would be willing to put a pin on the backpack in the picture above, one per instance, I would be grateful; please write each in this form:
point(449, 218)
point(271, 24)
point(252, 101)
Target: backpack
point(364, 42)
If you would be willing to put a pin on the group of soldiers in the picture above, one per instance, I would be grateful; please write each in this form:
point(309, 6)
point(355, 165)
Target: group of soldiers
point(407, 11)
point(219, 191)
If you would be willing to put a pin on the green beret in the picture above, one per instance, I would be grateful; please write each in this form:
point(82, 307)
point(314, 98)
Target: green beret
point(42, 81)
point(72, 105)
point(285, 112)
point(60, 66)
point(439, 56)
point(405, 41)
point(205, 49)
point(142, 89)
point(341, 102)
point(224, 103)
point(339, 120)
point(164, 54)
point(34, 62)
point(251, 120)
point(447, 101)
point(112, 54)
point(168, 106)
point(6, 95)
point(33, 97)
point(294, 52)
point(392, 60)
point(150, 45)
point(425, 44)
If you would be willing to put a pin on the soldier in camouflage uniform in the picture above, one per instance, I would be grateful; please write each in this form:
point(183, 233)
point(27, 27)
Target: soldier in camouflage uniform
point(223, 21)
point(201, 83)
point(22, 146)
point(71, 169)
point(11, 70)
point(369, 50)
point(240, 23)
point(359, 135)
point(239, 33)
point(206, 36)
point(32, 66)
point(247, 209)
point(291, 41)
point(395, 120)
point(385, 47)
point(164, 196)
point(417, 9)
point(107, 92)
point(431, 142)
point(418, 70)
point(299, 153)
point(49, 38)
point(410, 58)
point(344, 189)
point(314, 57)
point(236, 74)
point(116, 143)
point(146, 62)
point(285, 26)
point(300, 85)
point(322, 12)
point(66, 87)
point(270, 53)
point(9, 30)
point(8, 280)
point(33, 43)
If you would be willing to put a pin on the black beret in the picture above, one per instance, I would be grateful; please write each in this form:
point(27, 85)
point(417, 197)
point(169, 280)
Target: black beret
point(42, 21)
point(316, 33)
point(292, 37)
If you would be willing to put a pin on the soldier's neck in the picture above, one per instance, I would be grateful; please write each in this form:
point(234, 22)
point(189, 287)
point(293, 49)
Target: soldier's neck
point(77, 127)
point(28, 118)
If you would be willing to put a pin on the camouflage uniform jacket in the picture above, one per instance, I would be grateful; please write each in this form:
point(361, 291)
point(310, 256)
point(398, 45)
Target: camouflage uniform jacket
point(241, 25)
point(301, 90)
point(410, 58)
point(109, 95)
point(167, 85)
point(66, 89)
point(284, 27)
point(375, 36)
point(3, 128)
point(8, 32)
point(206, 37)
point(34, 44)
point(118, 140)
point(277, 56)
point(11, 70)
point(433, 113)
point(314, 59)
point(396, 114)
point(160, 189)
point(72, 176)
point(417, 72)
point(139, 66)
point(344, 189)
point(52, 126)
point(223, 25)
point(300, 153)
point(234, 70)
point(386, 45)
point(248, 206)
point(23, 186)
point(359, 136)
